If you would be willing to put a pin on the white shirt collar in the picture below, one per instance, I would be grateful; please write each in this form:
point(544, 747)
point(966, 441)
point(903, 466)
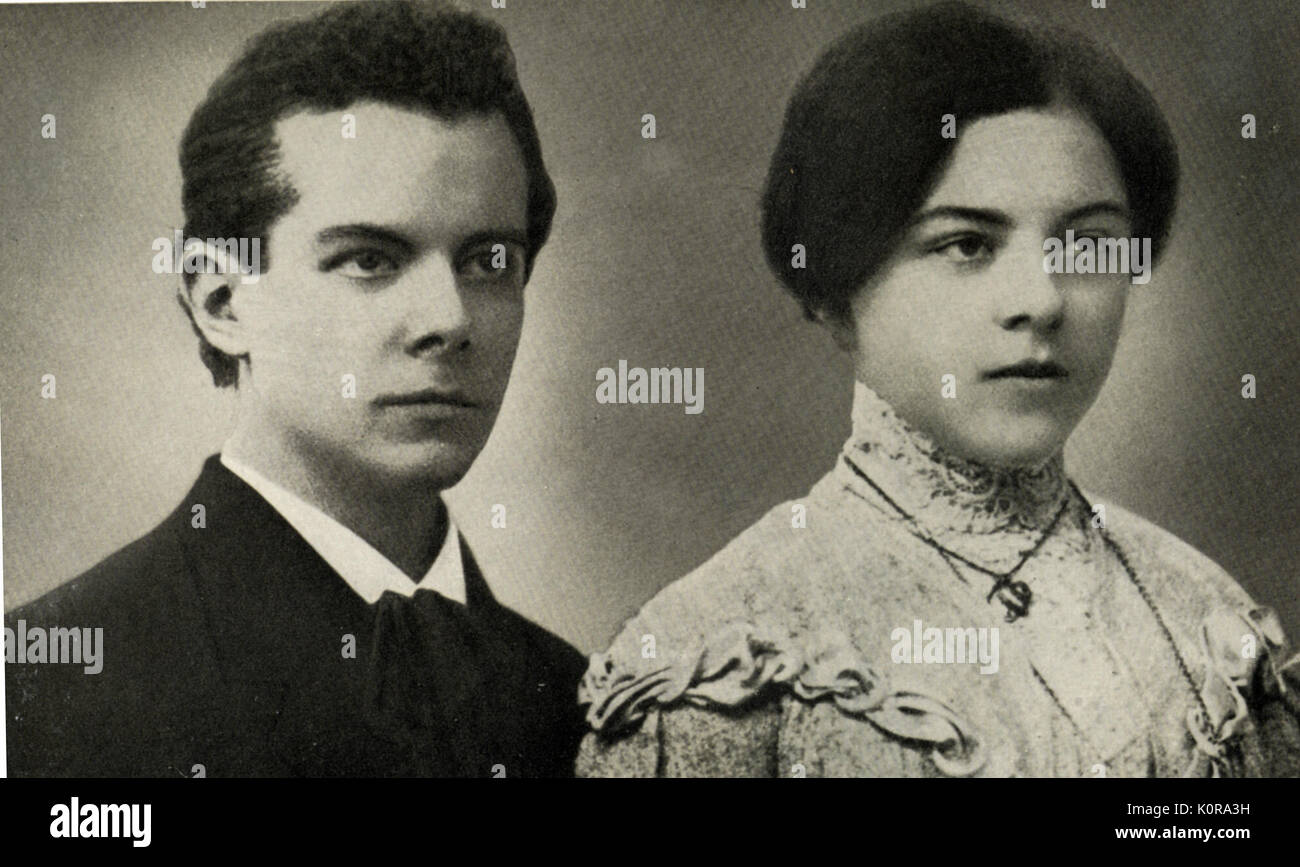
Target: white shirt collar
point(365, 570)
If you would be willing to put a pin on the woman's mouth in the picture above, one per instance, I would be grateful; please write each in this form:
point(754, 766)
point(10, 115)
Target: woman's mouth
point(1029, 369)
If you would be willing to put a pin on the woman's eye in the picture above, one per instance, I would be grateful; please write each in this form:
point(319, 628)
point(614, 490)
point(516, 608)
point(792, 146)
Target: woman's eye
point(366, 264)
point(1093, 238)
point(967, 248)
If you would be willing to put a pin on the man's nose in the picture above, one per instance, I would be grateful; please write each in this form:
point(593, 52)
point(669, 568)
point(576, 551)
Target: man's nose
point(437, 318)
point(1031, 297)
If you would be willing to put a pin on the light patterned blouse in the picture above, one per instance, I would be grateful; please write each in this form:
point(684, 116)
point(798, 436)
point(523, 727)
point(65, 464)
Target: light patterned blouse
point(875, 628)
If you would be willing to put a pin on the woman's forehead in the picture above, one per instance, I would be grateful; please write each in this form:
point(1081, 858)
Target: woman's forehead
point(1029, 163)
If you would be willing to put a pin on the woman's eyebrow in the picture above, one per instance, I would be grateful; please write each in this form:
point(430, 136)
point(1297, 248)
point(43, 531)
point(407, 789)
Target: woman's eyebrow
point(1103, 207)
point(998, 218)
point(982, 215)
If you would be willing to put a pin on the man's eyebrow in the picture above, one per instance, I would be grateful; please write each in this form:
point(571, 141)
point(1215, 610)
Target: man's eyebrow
point(1103, 207)
point(982, 215)
point(495, 236)
point(363, 232)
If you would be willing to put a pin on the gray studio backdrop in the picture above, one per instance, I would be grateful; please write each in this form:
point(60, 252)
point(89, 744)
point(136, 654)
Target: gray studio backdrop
point(654, 259)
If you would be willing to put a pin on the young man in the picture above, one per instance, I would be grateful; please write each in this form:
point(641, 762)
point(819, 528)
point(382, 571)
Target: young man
point(310, 609)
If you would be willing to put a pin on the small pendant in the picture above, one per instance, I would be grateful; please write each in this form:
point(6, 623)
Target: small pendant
point(1015, 595)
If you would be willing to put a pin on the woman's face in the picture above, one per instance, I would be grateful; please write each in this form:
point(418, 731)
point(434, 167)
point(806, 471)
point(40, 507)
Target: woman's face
point(965, 292)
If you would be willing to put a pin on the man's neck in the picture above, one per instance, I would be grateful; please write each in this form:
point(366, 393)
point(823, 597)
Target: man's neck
point(405, 521)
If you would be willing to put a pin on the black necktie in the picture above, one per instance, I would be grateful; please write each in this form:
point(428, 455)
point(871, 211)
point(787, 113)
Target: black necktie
point(431, 681)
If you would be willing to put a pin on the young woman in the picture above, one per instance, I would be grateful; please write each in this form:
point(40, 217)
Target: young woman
point(946, 601)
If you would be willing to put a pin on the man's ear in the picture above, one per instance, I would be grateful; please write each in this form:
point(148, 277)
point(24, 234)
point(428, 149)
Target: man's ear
point(208, 301)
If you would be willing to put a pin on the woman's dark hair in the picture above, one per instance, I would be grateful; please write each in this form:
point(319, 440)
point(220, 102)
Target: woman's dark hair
point(861, 148)
point(419, 56)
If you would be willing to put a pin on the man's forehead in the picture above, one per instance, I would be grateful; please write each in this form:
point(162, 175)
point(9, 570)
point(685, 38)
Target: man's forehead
point(376, 162)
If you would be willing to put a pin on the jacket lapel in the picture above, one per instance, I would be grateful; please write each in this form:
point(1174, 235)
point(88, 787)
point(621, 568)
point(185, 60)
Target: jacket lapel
point(278, 618)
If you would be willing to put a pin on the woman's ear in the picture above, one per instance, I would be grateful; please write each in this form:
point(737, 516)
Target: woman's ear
point(840, 328)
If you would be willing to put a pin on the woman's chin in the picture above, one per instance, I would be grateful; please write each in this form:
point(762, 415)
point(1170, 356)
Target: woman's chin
point(1019, 445)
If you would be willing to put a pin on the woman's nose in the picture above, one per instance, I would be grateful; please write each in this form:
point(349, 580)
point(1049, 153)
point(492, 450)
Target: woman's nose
point(1031, 296)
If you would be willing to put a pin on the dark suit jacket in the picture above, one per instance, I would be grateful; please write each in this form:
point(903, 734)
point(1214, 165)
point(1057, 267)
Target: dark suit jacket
point(223, 647)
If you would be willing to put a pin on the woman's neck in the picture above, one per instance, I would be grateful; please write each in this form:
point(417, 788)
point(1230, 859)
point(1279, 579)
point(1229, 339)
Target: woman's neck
point(944, 493)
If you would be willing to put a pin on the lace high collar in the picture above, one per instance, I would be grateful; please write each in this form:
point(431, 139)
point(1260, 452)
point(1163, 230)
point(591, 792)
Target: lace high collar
point(983, 512)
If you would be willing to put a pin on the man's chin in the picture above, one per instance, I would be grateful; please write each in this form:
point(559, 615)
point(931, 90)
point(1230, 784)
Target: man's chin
point(439, 465)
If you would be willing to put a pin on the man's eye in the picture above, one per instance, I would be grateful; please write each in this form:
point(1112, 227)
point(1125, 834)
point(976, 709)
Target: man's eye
point(967, 248)
point(365, 264)
point(491, 263)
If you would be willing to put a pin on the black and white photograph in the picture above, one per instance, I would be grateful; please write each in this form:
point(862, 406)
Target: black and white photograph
point(353, 408)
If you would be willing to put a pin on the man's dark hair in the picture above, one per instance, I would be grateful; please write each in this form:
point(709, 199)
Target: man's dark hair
point(860, 149)
point(419, 56)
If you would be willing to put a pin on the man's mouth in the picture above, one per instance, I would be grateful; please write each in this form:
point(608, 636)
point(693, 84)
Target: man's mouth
point(1030, 369)
point(433, 396)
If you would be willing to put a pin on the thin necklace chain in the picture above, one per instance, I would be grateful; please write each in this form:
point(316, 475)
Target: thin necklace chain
point(1003, 579)
point(925, 537)
point(1115, 549)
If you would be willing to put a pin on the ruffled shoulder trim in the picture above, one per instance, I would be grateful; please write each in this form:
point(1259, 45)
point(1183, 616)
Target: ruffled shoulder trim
point(1242, 645)
point(1244, 652)
point(739, 662)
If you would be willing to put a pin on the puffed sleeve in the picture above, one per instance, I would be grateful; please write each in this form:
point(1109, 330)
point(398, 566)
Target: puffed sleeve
point(1276, 700)
point(1279, 724)
point(713, 705)
point(631, 754)
point(1250, 693)
point(623, 740)
point(664, 706)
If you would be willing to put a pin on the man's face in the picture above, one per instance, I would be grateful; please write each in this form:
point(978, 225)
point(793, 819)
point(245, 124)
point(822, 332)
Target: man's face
point(383, 275)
